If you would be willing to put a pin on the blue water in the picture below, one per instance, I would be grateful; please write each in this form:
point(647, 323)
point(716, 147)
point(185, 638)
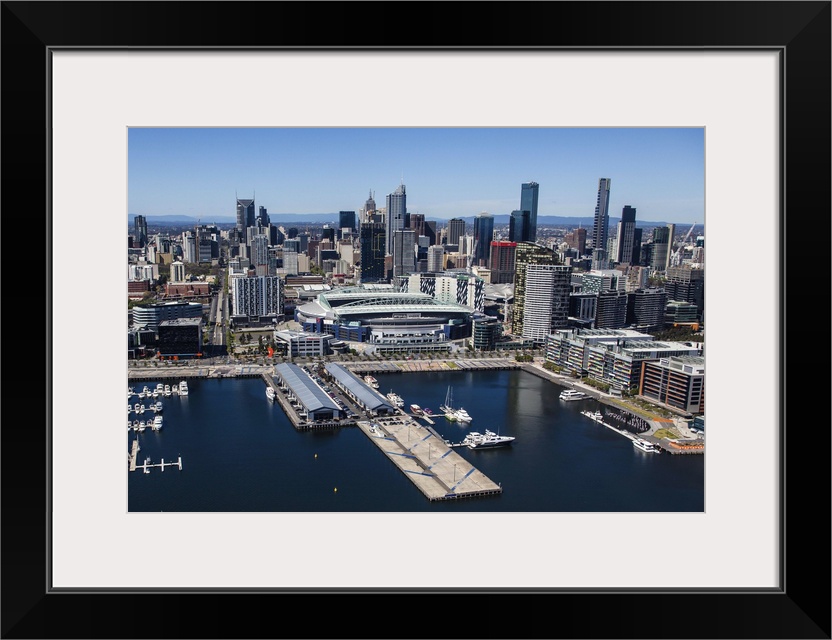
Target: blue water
point(241, 454)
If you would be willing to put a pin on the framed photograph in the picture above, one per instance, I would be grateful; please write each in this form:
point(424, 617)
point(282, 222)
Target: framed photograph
point(755, 76)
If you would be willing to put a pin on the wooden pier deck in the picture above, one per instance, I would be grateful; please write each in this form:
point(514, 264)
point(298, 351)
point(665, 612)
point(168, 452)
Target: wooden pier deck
point(427, 460)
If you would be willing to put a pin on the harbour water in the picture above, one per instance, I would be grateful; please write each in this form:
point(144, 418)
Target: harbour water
point(240, 453)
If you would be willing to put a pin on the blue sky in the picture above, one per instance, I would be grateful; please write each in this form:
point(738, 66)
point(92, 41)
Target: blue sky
point(447, 172)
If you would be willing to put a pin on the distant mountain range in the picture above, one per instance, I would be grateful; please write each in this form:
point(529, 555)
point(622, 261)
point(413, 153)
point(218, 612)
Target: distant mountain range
point(332, 218)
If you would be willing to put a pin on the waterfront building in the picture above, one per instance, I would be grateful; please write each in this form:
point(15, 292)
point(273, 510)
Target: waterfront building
point(148, 316)
point(600, 225)
point(677, 382)
point(256, 296)
point(620, 366)
point(312, 402)
point(396, 211)
point(180, 338)
point(546, 305)
point(503, 262)
point(528, 202)
point(373, 250)
point(485, 332)
point(526, 253)
point(358, 391)
point(303, 344)
point(245, 215)
point(483, 235)
point(140, 231)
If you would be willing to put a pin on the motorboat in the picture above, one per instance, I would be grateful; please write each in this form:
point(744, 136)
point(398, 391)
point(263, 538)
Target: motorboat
point(157, 423)
point(183, 388)
point(395, 398)
point(167, 391)
point(644, 445)
point(370, 380)
point(462, 415)
point(572, 394)
point(270, 392)
point(594, 415)
point(489, 439)
point(416, 409)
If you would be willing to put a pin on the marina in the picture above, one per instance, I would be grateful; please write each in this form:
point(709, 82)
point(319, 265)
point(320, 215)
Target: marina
point(223, 426)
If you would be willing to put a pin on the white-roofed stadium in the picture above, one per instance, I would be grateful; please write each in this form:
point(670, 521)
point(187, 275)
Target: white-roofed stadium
point(371, 315)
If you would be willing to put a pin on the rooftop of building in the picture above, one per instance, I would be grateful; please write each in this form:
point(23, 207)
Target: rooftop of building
point(305, 389)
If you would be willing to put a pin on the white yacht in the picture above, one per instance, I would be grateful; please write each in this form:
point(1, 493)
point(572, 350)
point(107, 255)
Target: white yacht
point(462, 415)
point(157, 423)
point(489, 439)
point(167, 391)
point(370, 380)
point(572, 394)
point(183, 388)
point(644, 445)
point(270, 392)
point(395, 398)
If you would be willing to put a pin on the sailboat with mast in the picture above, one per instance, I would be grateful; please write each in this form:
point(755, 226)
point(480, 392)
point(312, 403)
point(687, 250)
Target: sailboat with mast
point(454, 415)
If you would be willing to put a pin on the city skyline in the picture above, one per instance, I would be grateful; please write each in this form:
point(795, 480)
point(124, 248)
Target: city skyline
point(448, 172)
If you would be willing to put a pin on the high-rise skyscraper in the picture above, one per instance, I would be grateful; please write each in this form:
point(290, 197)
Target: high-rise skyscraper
point(372, 252)
point(396, 209)
point(404, 252)
point(456, 229)
point(501, 262)
point(661, 248)
point(140, 231)
point(527, 253)
point(483, 235)
point(519, 225)
point(528, 202)
point(546, 305)
point(245, 214)
point(346, 220)
point(600, 225)
point(626, 235)
point(262, 217)
point(369, 208)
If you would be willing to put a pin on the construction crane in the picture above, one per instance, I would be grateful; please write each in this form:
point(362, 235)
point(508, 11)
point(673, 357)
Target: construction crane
point(676, 257)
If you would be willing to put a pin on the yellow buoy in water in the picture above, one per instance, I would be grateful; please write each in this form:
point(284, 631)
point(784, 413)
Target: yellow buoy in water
point(316, 455)
point(336, 489)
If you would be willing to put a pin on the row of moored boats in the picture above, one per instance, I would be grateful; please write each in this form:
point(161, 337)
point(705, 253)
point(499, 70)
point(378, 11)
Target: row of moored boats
point(638, 443)
point(156, 422)
point(161, 390)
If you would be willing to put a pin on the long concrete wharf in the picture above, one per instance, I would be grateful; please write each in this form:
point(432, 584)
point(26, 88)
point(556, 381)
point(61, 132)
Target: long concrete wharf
point(427, 460)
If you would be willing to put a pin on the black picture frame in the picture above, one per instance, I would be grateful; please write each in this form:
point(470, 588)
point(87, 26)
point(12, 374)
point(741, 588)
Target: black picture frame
point(800, 31)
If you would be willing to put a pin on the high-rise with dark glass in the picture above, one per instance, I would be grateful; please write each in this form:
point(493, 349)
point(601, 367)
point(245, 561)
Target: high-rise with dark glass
point(456, 229)
point(372, 252)
point(140, 230)
point(528, 202)
point(262, 217)
point(625, 237)
point(519, 225)
point(601, 225)
point(483, 235)
point(346, 220)
point(396, 209)
point(245, 214)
